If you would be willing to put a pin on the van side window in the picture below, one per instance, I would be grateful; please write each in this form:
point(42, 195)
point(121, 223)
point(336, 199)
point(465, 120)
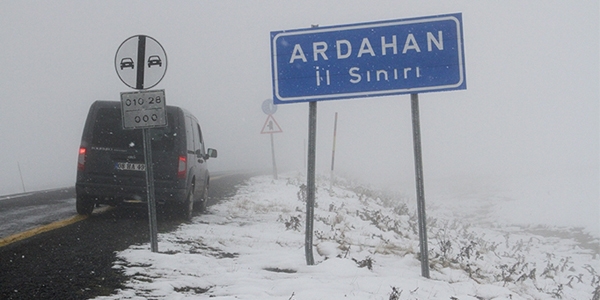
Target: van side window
point(190, 133)
point(163, 138)
point(199, 141)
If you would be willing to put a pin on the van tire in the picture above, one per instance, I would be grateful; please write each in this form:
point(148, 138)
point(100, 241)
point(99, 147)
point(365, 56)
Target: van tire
point(84, 206)
point(204, 199)
point(187, 207)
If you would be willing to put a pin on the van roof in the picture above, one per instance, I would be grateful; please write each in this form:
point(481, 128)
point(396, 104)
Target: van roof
point(117, 104)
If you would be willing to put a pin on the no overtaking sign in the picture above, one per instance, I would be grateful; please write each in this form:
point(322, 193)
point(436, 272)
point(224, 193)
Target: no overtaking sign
point(141, 62)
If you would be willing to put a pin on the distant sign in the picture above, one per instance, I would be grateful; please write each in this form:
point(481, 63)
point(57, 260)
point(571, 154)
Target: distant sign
point(144, 109)
point(268, 107)
point(415, 55)
point(141, 62)
point(271, 126)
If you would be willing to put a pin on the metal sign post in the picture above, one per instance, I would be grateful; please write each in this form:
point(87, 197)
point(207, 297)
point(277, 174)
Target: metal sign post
point(420, 185)
point(273, 157)
point(150, 190)
point(141, 63)
point(310, 182)
point(333, 150)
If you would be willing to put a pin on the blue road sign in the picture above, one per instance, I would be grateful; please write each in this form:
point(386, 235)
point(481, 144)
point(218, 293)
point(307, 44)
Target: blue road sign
point(417, 55)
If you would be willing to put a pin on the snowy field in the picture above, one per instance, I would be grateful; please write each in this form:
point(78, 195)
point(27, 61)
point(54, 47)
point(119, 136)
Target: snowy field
point(366, 247)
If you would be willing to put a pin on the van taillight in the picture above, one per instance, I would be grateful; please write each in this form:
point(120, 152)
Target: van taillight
point(81, 159)
point(182, 167)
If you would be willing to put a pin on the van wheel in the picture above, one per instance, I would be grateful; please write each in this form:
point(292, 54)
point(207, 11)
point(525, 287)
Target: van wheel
point(204, 199)
point(188, 206)
point(84, 206)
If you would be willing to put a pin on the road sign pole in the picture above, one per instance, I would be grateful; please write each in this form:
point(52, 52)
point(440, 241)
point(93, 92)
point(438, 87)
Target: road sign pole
point(141, 58)
point(310, 182)
point(273, 157)
point(21, 175)
point(333, 150)
point(420, 186)
point(150, 190)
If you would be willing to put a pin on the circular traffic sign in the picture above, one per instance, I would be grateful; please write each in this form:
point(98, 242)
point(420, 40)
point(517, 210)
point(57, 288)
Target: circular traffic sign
point(268, 107)
point(141, 62)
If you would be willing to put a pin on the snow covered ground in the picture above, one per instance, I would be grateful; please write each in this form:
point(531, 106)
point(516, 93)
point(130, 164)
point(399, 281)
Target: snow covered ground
point(366, 247)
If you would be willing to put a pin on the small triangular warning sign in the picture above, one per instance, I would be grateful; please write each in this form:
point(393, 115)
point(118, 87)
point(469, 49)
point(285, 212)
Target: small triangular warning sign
point(271, 126)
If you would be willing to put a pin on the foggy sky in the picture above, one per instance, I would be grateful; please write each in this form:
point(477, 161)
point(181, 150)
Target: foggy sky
point(531, 104)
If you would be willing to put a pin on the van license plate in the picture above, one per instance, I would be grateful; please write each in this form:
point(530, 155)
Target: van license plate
point(130, 166)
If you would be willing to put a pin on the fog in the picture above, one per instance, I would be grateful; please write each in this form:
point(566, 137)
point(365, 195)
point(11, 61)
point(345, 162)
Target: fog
point(531, 105)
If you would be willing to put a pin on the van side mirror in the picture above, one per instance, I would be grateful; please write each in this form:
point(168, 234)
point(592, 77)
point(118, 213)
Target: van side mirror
point(211, 153)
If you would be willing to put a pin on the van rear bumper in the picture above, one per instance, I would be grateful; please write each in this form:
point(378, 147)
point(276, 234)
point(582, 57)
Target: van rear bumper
point(115, 195)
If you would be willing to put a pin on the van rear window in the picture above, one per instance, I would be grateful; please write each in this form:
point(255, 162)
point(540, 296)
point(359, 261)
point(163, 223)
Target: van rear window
point(108, 132)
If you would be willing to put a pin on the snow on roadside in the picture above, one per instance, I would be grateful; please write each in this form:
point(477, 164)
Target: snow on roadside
point(366, 247)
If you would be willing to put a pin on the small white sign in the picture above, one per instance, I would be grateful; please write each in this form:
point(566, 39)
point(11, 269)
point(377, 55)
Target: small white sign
point(144, 109)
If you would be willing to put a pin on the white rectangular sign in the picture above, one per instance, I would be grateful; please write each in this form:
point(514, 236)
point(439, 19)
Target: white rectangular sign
point(144, 109)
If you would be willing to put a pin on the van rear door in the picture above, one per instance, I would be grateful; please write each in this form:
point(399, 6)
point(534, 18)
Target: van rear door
point(117, 155)
point(114, 153)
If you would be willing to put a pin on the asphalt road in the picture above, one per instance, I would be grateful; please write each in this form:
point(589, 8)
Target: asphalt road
point(25, 211)
point(75, 261)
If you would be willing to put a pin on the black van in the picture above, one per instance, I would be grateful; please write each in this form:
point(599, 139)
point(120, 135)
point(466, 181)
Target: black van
point(111, 168)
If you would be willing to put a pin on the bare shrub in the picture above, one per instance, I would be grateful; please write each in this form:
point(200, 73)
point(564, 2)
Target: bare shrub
point(395, 294)
point(367, 262)
point(292, 223)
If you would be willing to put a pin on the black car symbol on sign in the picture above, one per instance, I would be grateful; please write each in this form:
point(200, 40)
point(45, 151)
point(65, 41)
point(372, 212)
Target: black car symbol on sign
point(126, 63)
point(154, 60)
